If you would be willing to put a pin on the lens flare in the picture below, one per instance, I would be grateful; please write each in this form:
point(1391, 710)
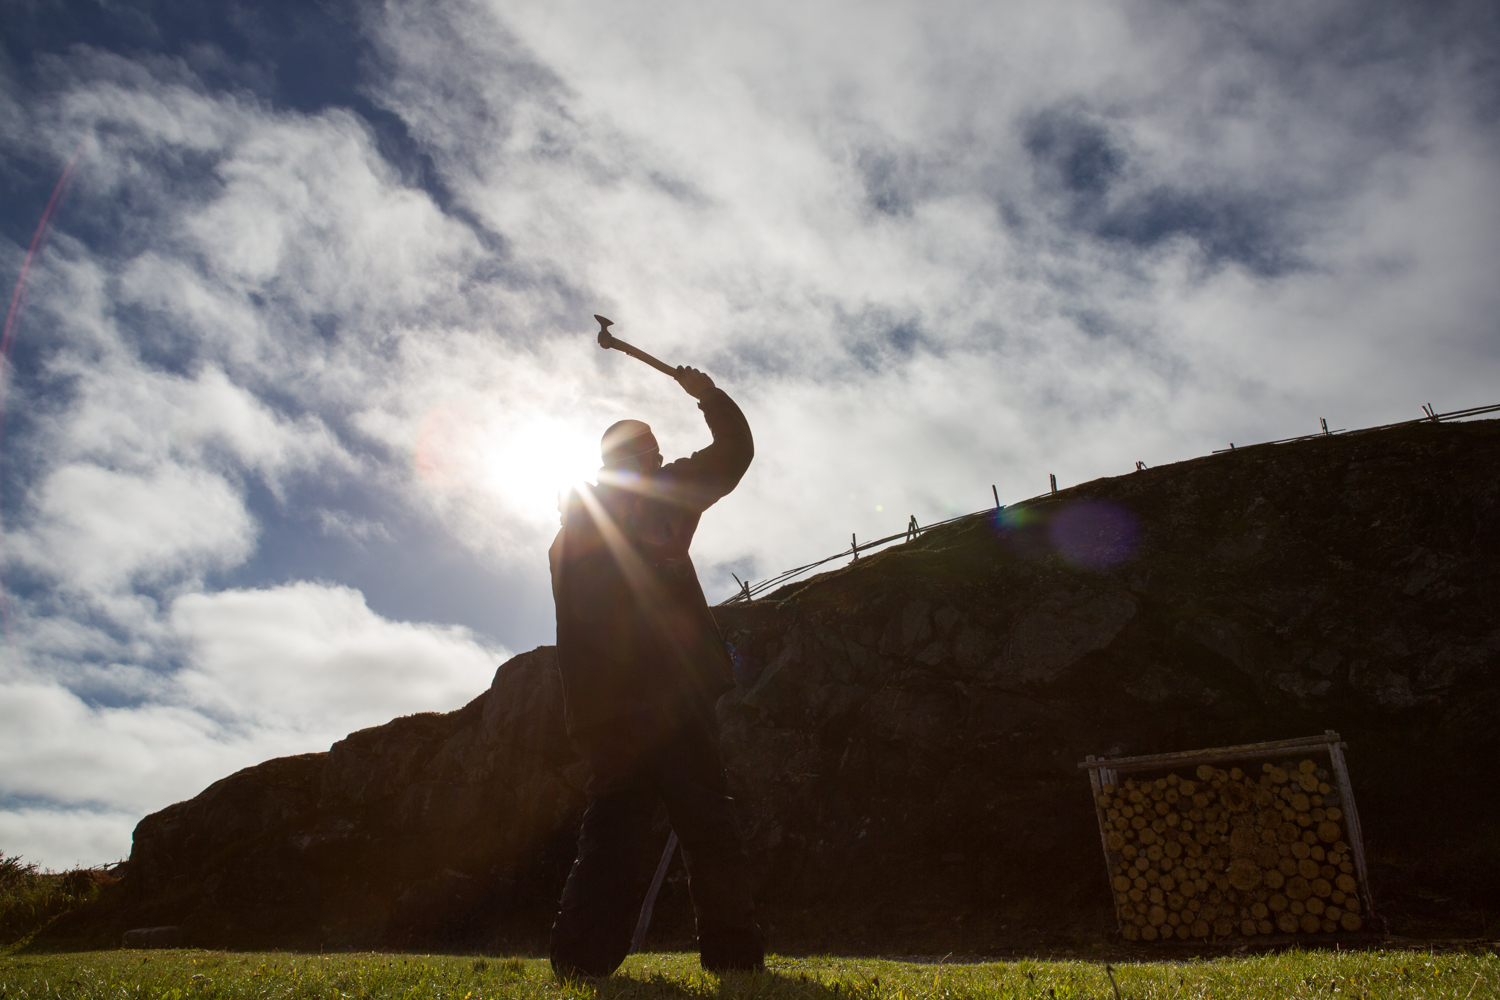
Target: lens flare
point(1094, 534)
point(450, 447)
point(7, 337)
point(1088, 533)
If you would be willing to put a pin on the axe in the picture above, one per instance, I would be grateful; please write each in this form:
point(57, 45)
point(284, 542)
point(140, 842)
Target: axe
point(608, 340)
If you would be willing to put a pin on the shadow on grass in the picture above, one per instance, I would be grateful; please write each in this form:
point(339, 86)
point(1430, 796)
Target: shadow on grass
point(729, 986)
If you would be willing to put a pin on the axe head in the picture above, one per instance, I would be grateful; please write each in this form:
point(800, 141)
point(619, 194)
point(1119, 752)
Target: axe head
point(605, 339)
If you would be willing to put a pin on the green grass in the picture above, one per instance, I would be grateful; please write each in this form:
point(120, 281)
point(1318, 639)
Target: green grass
point(202, 975)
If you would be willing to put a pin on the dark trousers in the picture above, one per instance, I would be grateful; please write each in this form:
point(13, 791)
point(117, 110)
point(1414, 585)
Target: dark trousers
point(637, 762)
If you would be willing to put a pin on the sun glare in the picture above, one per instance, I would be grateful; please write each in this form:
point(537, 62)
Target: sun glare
point(539, 459)
point(524, 461)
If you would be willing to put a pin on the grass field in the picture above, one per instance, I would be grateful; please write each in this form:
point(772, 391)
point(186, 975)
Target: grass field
point(191, 975)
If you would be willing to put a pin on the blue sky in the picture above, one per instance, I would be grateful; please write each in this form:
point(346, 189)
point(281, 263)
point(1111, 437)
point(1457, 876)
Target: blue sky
point(307, 352)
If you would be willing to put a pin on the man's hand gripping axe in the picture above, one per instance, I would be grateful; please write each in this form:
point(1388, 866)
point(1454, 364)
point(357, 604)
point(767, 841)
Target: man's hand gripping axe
point(608, 340)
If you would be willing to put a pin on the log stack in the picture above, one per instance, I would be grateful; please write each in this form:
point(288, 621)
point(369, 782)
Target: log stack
point(1221, 853)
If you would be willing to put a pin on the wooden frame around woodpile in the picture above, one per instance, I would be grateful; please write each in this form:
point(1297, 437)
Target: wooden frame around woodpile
point(1106, 771)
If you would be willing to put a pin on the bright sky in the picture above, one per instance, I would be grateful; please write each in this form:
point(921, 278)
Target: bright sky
point(308, 351)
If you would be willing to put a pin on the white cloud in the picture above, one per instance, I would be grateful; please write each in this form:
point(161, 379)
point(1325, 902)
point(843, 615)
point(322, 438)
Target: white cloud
point(308, 208)
point(56, 747)
point(266, 673)
point(313, 658)
point(61, 839)
point(102, 530)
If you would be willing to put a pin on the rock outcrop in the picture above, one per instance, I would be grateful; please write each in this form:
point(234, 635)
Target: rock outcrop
point(904, 741)
point(433, 828)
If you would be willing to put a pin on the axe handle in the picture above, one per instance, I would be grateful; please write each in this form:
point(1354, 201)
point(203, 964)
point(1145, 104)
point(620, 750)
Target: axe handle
point(644, 923)
point(640, 355)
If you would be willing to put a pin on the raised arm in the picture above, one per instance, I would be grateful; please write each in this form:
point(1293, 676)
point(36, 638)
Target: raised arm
point(712, 473)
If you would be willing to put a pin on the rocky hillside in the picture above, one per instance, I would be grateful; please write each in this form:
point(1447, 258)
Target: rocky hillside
point(905, 740)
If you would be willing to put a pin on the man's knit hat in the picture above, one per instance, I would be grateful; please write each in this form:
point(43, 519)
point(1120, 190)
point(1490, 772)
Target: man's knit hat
point(627, 439)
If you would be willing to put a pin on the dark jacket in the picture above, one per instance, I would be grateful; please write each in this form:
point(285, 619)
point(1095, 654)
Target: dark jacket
point(634, 633)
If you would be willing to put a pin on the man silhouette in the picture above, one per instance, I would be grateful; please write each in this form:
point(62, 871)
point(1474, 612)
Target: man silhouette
point(642, 666)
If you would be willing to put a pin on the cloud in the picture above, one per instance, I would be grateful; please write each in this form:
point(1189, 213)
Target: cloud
point(60, 839)
point(265, 673)
point(358, 529)
point(66, 753)
point(101, 529)
point(313, 658)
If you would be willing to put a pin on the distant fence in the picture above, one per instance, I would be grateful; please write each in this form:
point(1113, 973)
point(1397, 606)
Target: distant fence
point(1325, 432)
point(749, 591)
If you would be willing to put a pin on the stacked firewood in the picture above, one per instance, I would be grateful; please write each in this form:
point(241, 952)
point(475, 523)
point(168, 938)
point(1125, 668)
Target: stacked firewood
point(1222, 853)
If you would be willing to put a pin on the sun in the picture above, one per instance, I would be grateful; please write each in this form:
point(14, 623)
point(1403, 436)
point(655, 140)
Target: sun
point(539, 458)
point(523, 461)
